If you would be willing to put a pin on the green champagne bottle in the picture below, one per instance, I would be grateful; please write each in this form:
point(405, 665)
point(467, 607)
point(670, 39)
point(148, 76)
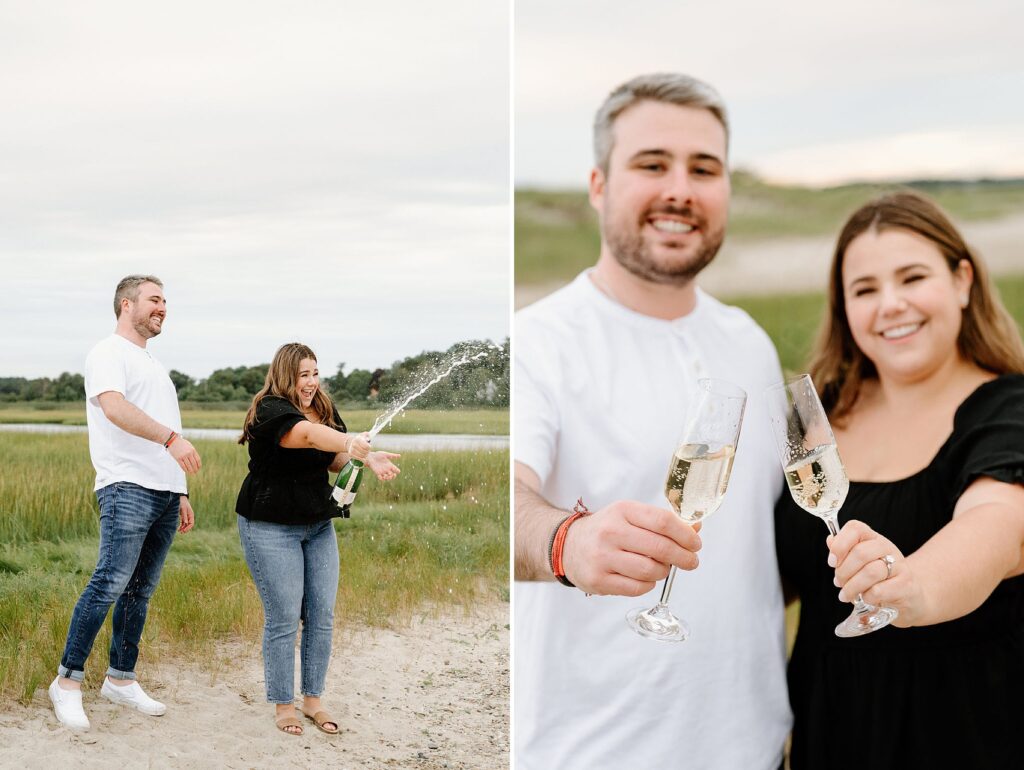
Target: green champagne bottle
point(346, 486)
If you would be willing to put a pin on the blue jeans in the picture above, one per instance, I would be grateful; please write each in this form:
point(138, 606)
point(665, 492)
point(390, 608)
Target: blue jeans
point(295, 567)
point(137, 526)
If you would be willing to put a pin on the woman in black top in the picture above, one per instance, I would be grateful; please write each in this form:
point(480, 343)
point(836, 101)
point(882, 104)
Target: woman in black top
point(295, 437)
point(919, 368)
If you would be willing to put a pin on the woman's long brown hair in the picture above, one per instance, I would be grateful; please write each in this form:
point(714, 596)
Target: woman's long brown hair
point(282, 381)
point(989, 337)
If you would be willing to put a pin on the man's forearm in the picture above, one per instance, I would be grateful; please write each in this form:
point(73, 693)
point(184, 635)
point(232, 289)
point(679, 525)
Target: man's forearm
point(535, 520)
point(131, 419)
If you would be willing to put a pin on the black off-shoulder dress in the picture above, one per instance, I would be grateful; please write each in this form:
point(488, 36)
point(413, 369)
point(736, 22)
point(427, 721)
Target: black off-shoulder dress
point(947, 695)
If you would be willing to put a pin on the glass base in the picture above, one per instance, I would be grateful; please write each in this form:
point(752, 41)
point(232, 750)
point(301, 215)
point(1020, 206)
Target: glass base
point(865, 619)
point(658, 623)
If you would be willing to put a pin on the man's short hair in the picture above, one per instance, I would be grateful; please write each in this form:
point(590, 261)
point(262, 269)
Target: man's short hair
point(666, 87)
point(128, 288)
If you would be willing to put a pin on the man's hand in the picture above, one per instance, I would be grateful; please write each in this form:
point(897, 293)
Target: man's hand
point(185, 455)
point(186, 516)
point(627, 547)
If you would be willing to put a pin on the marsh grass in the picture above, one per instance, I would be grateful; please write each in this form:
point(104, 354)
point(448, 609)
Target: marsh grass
point(556, 232)
point(792, 320)
point(404, 548)
point(46, 490)
point(477, 422)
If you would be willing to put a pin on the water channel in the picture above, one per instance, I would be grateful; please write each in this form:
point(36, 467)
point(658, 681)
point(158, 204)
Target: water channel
point(396, 442)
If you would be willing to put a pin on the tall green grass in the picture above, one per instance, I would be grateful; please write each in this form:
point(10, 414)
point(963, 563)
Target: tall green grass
point(479, 422)
point(46, 489)
point(792, 320)
point(437, 535)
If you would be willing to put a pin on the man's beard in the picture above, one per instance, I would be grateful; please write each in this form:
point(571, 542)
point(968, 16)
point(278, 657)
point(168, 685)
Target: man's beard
point(630, 251)
point(141, 324)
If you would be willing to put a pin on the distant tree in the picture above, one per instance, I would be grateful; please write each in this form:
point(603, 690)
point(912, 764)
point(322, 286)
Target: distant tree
point(180, 380)
point(68, 387)
point(252, 379)
point(335, 384)
point(11, 388)
point(481, 382)
point(357, 385)
point(35, 390)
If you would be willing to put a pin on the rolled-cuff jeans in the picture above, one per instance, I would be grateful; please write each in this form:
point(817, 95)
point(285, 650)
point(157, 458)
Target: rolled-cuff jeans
point(137, 526)
point(295, 568)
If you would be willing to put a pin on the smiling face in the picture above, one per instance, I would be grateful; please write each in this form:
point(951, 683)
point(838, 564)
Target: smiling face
point(664, 200)
point(146, 313)
point(903, 304)
point(307, 382)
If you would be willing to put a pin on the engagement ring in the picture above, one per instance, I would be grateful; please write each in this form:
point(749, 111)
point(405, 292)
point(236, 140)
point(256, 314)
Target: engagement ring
point(888, 561)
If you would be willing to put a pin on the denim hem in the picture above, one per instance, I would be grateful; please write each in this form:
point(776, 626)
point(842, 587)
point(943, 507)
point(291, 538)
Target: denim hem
point(113, 673)
point(67, 673)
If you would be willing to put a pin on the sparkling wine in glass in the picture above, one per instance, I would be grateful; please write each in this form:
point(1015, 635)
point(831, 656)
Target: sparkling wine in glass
point(698, 476)
point(816, 477)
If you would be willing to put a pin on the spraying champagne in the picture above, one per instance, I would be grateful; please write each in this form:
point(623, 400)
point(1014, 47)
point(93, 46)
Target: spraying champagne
point(351, 475)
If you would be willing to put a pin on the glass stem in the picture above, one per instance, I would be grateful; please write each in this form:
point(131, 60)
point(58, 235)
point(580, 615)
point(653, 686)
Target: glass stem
point(860, 607)
point(667, 589)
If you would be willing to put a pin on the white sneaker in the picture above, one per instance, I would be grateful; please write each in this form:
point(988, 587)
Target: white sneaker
point(67, 705)
point(132, 695)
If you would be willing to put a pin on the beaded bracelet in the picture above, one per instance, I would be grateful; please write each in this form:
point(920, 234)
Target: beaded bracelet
point(558, 542)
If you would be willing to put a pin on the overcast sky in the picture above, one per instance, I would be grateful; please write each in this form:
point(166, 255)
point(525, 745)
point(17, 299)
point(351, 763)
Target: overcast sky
point(818, 92)
point(330, 172)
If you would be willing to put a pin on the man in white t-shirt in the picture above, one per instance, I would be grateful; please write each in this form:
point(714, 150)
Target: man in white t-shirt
point(141, 461)
point(605, 368)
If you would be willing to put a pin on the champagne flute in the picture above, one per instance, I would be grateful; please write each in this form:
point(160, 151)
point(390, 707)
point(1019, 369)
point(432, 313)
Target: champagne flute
point(697, 479)
point(816, 476)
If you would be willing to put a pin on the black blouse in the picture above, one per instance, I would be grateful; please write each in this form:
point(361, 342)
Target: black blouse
point(285, 486)
point(945, 695)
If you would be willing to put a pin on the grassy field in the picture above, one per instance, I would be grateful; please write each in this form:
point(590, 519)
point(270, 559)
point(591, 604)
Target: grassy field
point(556, 231)
point(438, 534)
point(487, 422)
point(792, 320)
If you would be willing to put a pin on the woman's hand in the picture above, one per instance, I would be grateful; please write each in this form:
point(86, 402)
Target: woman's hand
point(380, 463)
point(858, 554)
point(358, 446)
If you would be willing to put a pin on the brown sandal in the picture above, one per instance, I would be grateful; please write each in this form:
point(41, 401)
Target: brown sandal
point(322, 718)
point(285, 722)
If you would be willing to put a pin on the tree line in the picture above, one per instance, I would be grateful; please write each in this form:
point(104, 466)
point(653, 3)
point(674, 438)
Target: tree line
point(481, 382)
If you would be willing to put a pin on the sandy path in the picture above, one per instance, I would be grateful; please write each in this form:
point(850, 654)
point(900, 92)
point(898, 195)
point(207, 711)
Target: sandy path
point(801, 264)
point(434, 695)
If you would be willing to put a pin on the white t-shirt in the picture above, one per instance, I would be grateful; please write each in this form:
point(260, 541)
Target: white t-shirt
point(600, 397)
point(115, 364)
